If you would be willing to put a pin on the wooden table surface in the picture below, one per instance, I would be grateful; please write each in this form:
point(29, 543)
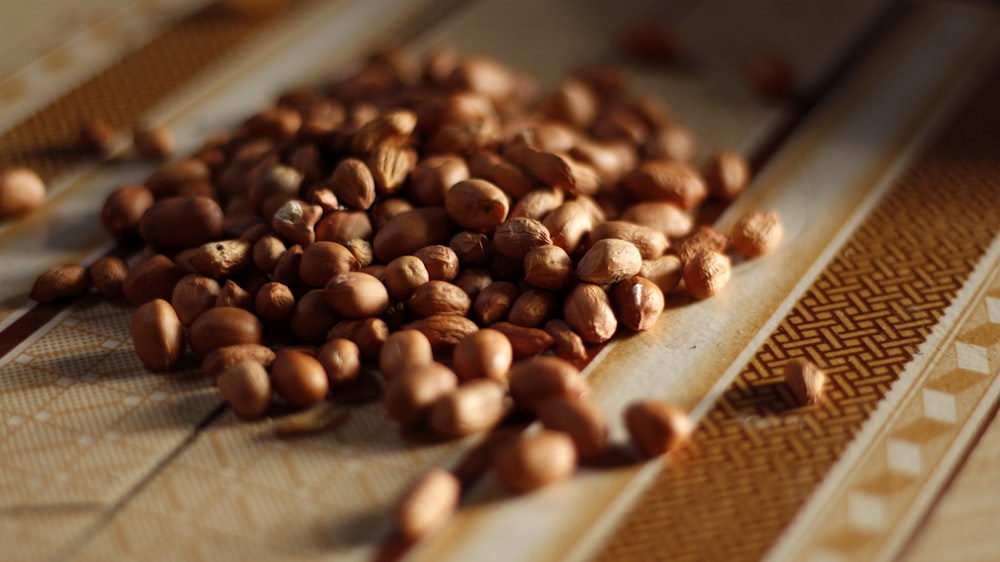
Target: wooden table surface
point(885, 168)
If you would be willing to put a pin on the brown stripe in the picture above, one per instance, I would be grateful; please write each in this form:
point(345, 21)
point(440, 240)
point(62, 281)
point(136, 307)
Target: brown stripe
point(755, 460)
point(122, 93)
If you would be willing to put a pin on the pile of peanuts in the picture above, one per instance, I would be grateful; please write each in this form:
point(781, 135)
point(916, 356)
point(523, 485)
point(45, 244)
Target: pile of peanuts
point(440, 220)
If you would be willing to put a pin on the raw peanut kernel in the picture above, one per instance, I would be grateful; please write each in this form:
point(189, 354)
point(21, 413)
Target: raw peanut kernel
point(474, 407)
point(534, 380)
point(609, 261)
point(403, 275)
point(123, 210)
point(299, 378)
point(21, 192)
point(568, 345)
point(658, 180)
point(356, 295)
point(409, 231)
point(408, 397)
point(427, 505)
point(476, 204)
point(438, 297)
point(706, 274)
point(61, 282)
point(548, 267)
point(223, 326)
point(535, 461)
point(727, 175)
point(526, 342)
point(664, 271)
point(443, 330)
point(483, 354)
point(246, 388)
point(638, 303)
point(587, 309)
point(158, 335)
point(441, 261)
point(181, 222)
point(341, 359)
point(404, 351)
point(516, 237)
point(312, 317)
point(353, 184)
point(666, 217)
point(657, 427)
point(153, 143)
point(494, 302)
point(193, 295)
point(806, 380)
point(757, 233)
point(322, 260)
point(108, 275)
point(582, 421)
point(650, 242)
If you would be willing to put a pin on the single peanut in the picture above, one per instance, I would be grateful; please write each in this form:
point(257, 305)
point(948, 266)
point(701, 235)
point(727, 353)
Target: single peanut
point(443, 330)
point(638, 303)
point(706, 274)
point(608, 261)
point(356, 295)
point(341, 359)
point(153, 143)
point(193, 295)
point(403, 275)
point(567, 344)
point(299, 378)
point(404, 351)
point(548, 267)
point(664, 216)
point(806, 380)
point(568, 225)
point(427, 505)
point(538, 203)
point(342, 226)
point(650, 242)
point(221, 327)
point(408, 232)
point(477, 205)
point(441, 261)
point(474, 407)
point(726, 175)
point(167, 180)
point(588, 310)
point(409, 396)
point(158, 335)
point(535, 461)
point(534, 380)
point(246, 388)
point(581, 420)
point(518, 236)
point(757, 233)
point(369, 334)
point(473, 280)
point(657, 428)
point(661, 180)
point(108, 274)
point(534, 307)
point(494, 302)
point(353, 184)
point(434, 176)
point(153, 278)
point(438, 297)
point(664, 271)
point(267, 252)
point(123, 210)
point(296, 221)
point(22, 191)
point(483, 354)
point(323, 260)
point(177, 223)
point(312, 317)
point(235, 296)
point(61, 282)
point(274, 303)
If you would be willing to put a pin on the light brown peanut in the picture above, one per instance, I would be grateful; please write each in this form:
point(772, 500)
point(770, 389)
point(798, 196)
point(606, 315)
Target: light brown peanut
point(638, 303)
point(158, 335)
point(706, 274)
point(246, 388)
point(567, 344)
point(656, 427)
point(471, 248)
point(477, 205)
point(534, 307)
point(664, 271)
point(221, 327)
point(409, 396)
point(274, 303)
point(443, 330)
point(353, 184)
point(609, 261)
point(427, 505)
point(438, 297)
point(323, 260)
point(806, 380)
point(233, 295)
point(664, 216)
point(441, 262)
point(434, 176)
point(651, 243)
point(473, 280)
point(474, 407)
point(193, 295)
point(702, 239)
point(494, 302)
point(356, 295)
point(267, 251)
point(757, 233)
point(568, 225)
point(341, 359)
point(61, 282)
point(581, 420)
point(108, 274)
point(369, 334)
point(661, 180)
point(122, 210)
point(548, 267)
point(403, 275)
point(588, 311)
point(22, 191)
point(299, 378)
point(483, 354)
point(726, 175)
point(342, 226)
point(181, 222)
point(151, 279)
point(409, 231)
point(534, 461)
point(404, 351)
point(518, 236)
point(312, 317)
point(534, 380)
point(526, 342)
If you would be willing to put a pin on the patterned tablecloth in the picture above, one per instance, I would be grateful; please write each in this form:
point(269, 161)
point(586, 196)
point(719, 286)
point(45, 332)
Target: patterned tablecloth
point(886, 172)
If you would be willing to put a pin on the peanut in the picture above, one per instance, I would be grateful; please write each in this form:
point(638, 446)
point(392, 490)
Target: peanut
point(246, 388)
point(441, 261)
point(483, 354)
point(22, 191)
point(588, 310)
point(567, 344)
point(408, 232)
point(757, 233)
point(806, 380)
point(534, 380)
point(427, 505)
point(221, 327)
point(583, 422)
point(353, 184)
point(181, 222)
point(153, 278)
point(223, 358)
point(477, 205)
point(356, 295)
point(341, 359)
point(661, 180)
point(158, 335)
point(608, 261)
point(706, 274)
point(312, 317)
point(123, 210)
point(370, 335)
point(153, 143)
point(438, 297)
point(193, 295)
point(108, 274)
point(726, 175)
point(494, 302)
point(403, 275)
point(323, 260)
point(535, 461)
point(548, 267)
point(299, 378)
point(409, 396)
point(404, 351)
point(638, 303)
point(656, 428)
point(474, 407)
point(518, 236)
point(61, 282)
point(443, 330)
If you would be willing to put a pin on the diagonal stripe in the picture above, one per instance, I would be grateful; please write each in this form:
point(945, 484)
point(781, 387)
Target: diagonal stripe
point(730, 494)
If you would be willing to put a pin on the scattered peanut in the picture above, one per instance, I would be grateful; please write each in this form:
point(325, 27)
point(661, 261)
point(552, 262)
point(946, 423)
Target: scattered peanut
point(22, 191)
point(535, 461)
point(806, 380)
point(427, 505)
point(656, 427)
point(757, 233)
